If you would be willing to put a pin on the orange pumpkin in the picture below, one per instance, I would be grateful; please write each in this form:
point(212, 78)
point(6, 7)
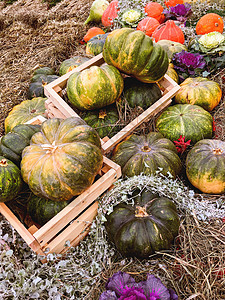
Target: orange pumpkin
point(110, 13)
point(148, 25)
point(155, 10)
point(209, 23)
point(168, 31)
point(173, 2)
point(92, 32)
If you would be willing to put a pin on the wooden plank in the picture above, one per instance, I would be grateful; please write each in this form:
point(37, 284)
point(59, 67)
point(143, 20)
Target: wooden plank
point(38, 120)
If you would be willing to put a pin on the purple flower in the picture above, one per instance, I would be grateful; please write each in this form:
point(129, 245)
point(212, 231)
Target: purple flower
point(120, 281)
point(133, 293)
point(155, 289)
point(108, 295)
point(179, 12)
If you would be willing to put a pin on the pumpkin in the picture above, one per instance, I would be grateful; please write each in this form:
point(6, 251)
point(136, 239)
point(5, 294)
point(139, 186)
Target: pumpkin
point(44, 71)
point(171, 47)
point(200, 91)
point(191, 121)
point(205, 166)
point(155, 10)
point(13, 143)
point(93, 31)
point(25, 111)
point(36, 87)
point(148, 225)
point(95, 44)
point(71, 63)
point(104, 120)
point(146, 154)
point(141, 94)
point(11, 181)
point(95, 87)
point(148, 25)
point(172, 73)
point(173, 2)
point(208, 23)
point(110, 13)
point(168, 31)
point(41, 210)
point(133, 52)
point(62, 160)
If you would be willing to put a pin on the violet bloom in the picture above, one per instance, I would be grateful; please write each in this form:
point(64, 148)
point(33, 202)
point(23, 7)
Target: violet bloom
point(179, 12)
point(133, 293)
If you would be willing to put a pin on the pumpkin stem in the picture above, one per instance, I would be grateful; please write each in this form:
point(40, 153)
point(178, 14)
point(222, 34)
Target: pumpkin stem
point(50, 147)
point(146, 148)
point(141, 212)
point(3, 163)
point(217, 151)
point(102, 114)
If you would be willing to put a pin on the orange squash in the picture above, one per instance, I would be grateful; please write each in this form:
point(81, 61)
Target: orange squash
point(155, 10)
point(110, 13)
point(168, 31)
point(173, 2)
point(148, 25)
point(93, 31)
point(209, 23)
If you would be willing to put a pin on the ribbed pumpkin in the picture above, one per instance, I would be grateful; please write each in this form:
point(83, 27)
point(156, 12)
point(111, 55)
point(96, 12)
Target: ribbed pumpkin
point(110, 13)
point(171, 47)
point(133, 52)
point(155, 10)
point(13, 143)
point(93, 31)
point(146, 154)
point(71, 63)
point(172, 73)
point(24, 112)
point(200, 91)
point(191, 121)
point(62, 160)
point(149, 225)
point(208, 23)
point(205, 166)
point(168, 31)
point(95, 87)
point(44, 71)
point(148, 25)
point(36, 87)
point(95, 44)
point(173, 2)
point(11, 182)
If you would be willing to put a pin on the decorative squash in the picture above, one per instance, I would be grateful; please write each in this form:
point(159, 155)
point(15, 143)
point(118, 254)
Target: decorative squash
point(145, 154)
point(71, 63)
point(95, 87)
point(42, 210)
point(173, 2)
point(104, 120)
point(110, 13)
point(208, 23)
point(11, 182)
point(13, 143)
point(133, 52)
point(95, 44)
point(148, 25)
point(200, 91)
point(149, 225)
point(171, 47)
point(93, 31)
point(24, 112)
point(191, 121)
point(141, 94)
point(205, 166)
point(168, 31)
point(36, 87)
point(155, 10)
point(62, 160)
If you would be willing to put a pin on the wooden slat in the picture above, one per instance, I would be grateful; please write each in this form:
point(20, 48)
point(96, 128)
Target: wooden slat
point(38, 120)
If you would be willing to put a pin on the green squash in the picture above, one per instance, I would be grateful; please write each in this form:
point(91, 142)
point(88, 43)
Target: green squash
point(71, 63)
point(44, 71)
point(36, 87)
point(95, 44)
point(205, 166)
point(146, 154)
point(147, 226)
point(171, 47)
point(11, 181)
point(42, 210)
point(191, 121)
point(13, 143)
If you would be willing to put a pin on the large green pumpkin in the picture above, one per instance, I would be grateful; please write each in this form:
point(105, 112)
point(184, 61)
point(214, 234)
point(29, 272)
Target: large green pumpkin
point(95, 87)
point(13, 143)
point(134, 53)
point(147, 226)
point(11, 181)
point(191, 121)
point(205, 166)
point(147, 154)
point(24, 112)
point(71, 63)
point(62, 160)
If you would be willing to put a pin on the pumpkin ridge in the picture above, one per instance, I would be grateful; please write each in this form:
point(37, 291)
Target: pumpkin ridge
point(35, 162)
point(111, 82)
point(40, 177)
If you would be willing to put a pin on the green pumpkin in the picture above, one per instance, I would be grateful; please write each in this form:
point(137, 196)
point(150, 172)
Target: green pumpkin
point(147, 226)
point(205, 166)
point(13, 143)
point(103, 120)
point(36, 87)
point(24, 112)
point(95, 44)
point(11, 182)
point(71, 63)
point(44, 71)
point(134, 53)
point(191, 121)
point(141, 94)
point(95, 87)
point(42, 210)
point(146, 154)
point(171, 47)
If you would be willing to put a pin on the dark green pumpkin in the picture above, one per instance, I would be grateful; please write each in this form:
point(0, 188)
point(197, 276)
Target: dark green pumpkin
point(146, 154)
point(147, 226)
point(44, 71)
point(95, 44)
point(42, 210)
point(36, 87)
point(141, 94)
point(71, 63)
point(11, 181)
point(13, 143)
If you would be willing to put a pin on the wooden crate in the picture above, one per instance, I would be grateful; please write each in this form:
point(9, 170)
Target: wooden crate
point(57, 107)
point(70, 224)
